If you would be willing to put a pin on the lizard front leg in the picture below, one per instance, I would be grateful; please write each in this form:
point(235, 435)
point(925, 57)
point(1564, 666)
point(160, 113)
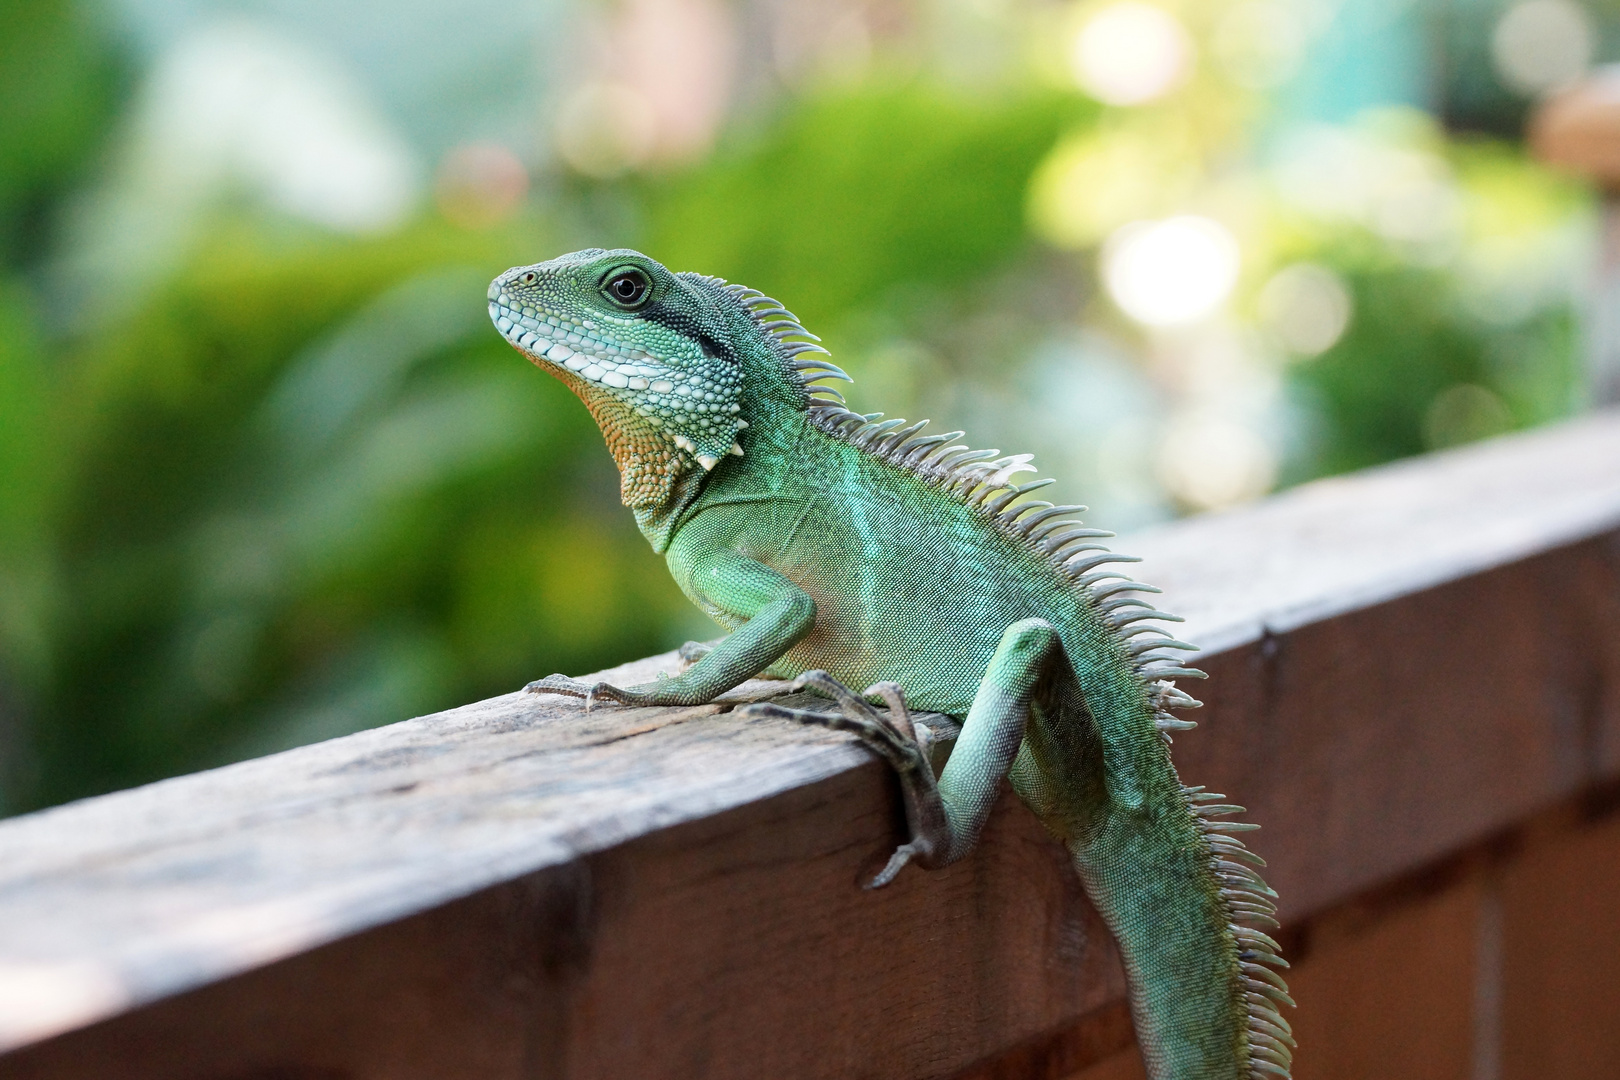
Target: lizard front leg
point(777, 612)
point(945, 816)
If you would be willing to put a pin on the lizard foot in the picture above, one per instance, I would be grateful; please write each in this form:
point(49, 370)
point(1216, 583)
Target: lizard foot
point(897, 739)
point(591, 692)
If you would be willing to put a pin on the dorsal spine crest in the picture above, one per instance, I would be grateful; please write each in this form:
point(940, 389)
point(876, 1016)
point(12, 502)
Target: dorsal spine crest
point(982, 479)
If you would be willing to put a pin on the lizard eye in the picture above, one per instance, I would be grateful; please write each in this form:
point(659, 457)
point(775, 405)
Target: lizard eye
point(529, 278)
point(628, 287)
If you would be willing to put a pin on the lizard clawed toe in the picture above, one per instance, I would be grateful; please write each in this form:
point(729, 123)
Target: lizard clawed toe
point(897, 861)
point(892, 736)
point(590, 691)
point(895, 738)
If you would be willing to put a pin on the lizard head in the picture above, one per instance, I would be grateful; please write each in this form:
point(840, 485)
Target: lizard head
point(669, 364)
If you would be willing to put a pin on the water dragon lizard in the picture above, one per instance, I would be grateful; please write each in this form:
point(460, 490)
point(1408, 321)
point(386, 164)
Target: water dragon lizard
point(840, 548)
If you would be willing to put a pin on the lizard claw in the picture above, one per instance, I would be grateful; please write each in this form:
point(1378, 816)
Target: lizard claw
point(901, 856)
point(892, 736)
point(896, 738)
point(590, 691)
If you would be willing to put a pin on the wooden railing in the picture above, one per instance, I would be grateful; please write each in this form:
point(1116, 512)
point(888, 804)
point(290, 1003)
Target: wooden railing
point(1415, 688)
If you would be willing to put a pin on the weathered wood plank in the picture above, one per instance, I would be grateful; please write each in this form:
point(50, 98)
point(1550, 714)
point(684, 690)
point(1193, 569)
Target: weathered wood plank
point(735, 945)
point(1404, 661)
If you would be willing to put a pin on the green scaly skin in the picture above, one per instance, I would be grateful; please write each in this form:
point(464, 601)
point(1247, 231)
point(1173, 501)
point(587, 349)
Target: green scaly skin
point(841, 549)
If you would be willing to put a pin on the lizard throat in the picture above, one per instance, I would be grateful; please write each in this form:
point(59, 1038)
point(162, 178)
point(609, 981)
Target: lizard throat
point(649, 461)
point(657, 478)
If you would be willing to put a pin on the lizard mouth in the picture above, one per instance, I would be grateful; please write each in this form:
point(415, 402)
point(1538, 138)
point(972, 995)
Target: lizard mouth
point(570, 345)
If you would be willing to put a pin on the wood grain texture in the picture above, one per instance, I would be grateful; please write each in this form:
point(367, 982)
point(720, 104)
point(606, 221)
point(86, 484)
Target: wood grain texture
point(706, 949)
point(1404, 661)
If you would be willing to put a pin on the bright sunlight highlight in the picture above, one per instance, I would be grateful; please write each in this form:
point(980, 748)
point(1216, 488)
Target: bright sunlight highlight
point(1130, 52)
point(1173, 271)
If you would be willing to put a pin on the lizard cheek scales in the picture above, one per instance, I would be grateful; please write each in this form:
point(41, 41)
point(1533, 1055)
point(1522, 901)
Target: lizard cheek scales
point(846, 548)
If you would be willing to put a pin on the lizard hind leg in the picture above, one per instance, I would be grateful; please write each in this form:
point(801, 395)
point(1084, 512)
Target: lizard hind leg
point(945, 814)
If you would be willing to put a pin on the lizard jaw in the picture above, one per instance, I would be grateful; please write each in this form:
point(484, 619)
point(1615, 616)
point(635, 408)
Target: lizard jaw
point(571, 346)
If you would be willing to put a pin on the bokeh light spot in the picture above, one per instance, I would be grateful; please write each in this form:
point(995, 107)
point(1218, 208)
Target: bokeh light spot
point(1260, 44)
point(605, 129)
point(1306, 307)
point(1462, 414)
point(1383, 173)
point(480, 184)
point(1173, 271)
point(1541, 45)
point(1210, 462)
point(1130, 52)
point(1090, 186)
point(238, 103)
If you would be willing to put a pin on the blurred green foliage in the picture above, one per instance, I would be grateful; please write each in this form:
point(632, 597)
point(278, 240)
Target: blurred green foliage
point(795, 211)
point(58, 87)
point(1374, 394)
point(1443, 350)
point(304, 490)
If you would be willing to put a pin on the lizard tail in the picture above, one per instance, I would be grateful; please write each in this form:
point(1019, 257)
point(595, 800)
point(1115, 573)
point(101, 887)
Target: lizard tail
point(1185, 902)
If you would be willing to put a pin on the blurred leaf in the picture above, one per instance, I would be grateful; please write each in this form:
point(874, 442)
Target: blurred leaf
point(27, 468)
point(24, 424)
point(857, 193)
point(57, 82)
point(1410, 342)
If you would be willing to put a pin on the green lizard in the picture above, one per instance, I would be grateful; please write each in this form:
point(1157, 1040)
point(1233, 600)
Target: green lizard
point(835, 546)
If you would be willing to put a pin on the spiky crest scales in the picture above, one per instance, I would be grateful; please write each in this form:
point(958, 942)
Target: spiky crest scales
point(982, 479)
